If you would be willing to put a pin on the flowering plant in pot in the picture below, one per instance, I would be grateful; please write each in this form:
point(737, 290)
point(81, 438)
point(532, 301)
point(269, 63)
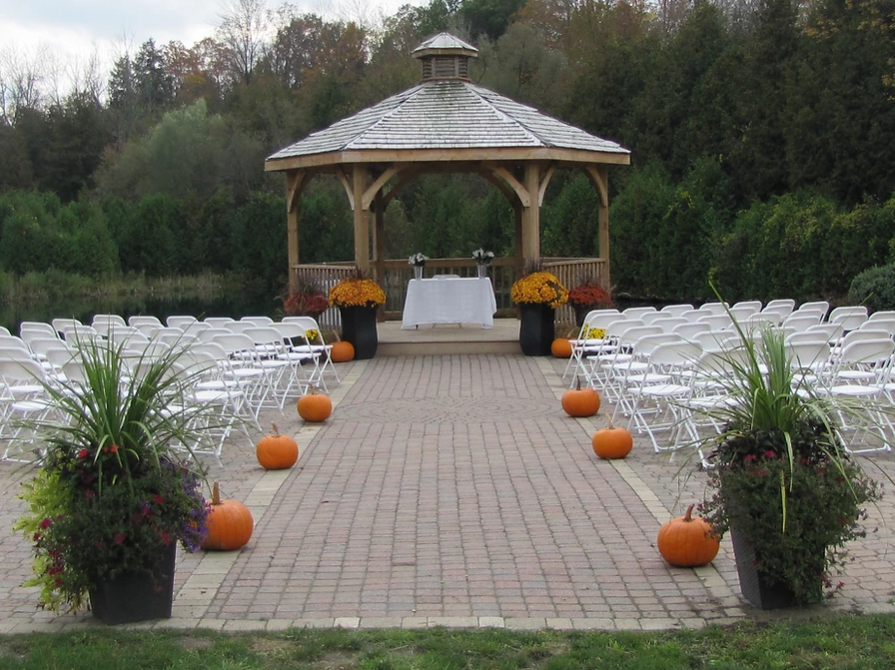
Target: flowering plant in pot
point(589, 294)
point(482, 257)
point(357, 298)
point(118, 488)
point(783, 482)
point(538, 293)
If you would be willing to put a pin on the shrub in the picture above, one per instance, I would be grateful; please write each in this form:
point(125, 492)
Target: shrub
point(874, 288)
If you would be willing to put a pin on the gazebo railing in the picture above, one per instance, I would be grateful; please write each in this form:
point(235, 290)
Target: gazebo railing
point(502, 272)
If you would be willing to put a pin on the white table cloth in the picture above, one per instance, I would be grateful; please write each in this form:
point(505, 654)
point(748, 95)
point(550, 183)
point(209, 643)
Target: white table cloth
point(449, 300)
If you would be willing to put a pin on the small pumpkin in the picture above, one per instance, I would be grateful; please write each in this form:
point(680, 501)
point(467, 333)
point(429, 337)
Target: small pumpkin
point(561, 347)
point(229, 523)
point(612, 442)
point(688, 541)
point(342, 352)
point(579, 401)
point(314, 407)
point(276, 452)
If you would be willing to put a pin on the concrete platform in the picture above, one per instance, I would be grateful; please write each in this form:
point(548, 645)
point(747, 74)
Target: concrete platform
point(450, 339)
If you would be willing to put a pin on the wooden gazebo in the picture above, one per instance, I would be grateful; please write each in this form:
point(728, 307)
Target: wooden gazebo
point(445, 124)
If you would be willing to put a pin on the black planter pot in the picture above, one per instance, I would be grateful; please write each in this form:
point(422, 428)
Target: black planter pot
point(359, 328)
point(755, 586)
point(536, 328)
point(137, 596)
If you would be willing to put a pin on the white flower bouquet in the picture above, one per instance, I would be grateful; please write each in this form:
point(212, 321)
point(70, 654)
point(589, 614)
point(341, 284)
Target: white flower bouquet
point(482, 257)
point(418, 260)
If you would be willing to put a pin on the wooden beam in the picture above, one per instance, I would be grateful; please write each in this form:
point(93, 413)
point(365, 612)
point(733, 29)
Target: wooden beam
point(531, 214)
point(381, 181)
point(509, 154)
point(501, 185)
point(293, 187)
point(406, 177)
point(379, 244)
point(349, 188)
point(545, 181)
point(523, 193)
point(599, 178)
point(360, 182)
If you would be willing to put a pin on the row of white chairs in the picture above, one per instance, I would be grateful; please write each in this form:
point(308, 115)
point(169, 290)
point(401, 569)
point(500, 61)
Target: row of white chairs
point(666, 384)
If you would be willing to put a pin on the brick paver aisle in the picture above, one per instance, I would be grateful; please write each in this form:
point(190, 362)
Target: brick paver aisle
point(450, 490)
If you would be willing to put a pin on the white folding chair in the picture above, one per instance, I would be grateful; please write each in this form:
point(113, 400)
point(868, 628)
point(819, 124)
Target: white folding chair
point(676, 309)
point(180, 321)
point(102, 323)
point(850, 318)
point(144, 320)
point(587, 342)
point(257, 320)
point(30, 329)
point(782, 306)
point(311, 326)
point(715, 307)
point(23, 404)
point(660, 393)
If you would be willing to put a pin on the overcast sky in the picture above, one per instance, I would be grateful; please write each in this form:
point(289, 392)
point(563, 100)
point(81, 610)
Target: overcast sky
point(76, 28)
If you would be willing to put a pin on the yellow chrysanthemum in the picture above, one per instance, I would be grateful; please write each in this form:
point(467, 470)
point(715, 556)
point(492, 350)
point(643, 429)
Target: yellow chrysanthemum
point(356, 293)
point(540, 287)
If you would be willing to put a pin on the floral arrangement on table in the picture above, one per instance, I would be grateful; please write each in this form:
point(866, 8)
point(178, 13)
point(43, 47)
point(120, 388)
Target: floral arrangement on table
point(356, 291)
point(539, 287)
point(482, 257)
point(591, 294)
point(114, 489)
point(418, 260)
point(782, 478)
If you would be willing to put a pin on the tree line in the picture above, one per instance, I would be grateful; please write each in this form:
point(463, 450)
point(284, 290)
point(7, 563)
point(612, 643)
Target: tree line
point(762, 135)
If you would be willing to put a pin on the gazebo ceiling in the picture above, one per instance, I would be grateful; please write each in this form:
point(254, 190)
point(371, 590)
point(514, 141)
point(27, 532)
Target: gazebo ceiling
point(446, 119)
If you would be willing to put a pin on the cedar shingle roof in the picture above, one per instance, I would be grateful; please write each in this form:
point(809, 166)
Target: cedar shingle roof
point(447, 115)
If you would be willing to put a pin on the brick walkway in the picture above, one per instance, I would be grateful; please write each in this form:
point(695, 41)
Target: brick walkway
point(451, 490)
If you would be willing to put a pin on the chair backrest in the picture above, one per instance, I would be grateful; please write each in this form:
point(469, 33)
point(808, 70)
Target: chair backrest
point(237, 344)
point(239, 326)
point(876, 352)
point(833, 331)
point(691, 315)
point(195, 327)
point(807, 353)
point(653, 317)
point(743, 305)
point(61, 325)
point(742, 314)
point(59, 355)
point(863, 334)
point(783, 305)
point(211, 334)
point(39, 345)
point(144, 320)
point(13, 342)
point(599, 321)
point(802, 321)
point(675, 354)
point(715, 340)
point(636, 312)
point(714, 307)
point(634, 335)
point(257, 320)
point(103, 322)
point(4, 330)
point(19, 371)
point(849, 320)
point(815, 306)
point(121, 334)
point(670, 323)
point(646, 344)
point(216, 321)
point(180, 320)
point(80, 334)
point(15, 353)
point(266, 336)
point(676, 309)
point(36, 328)
point(887, 325)
point(688, 330)
point(882, 314)
point(839, 312)
point(716, 321)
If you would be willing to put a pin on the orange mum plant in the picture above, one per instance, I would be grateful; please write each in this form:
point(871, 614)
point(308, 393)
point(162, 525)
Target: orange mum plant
point(540, 287)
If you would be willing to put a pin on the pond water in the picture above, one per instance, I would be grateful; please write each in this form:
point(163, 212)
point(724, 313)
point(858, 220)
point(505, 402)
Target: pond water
point(253, 303)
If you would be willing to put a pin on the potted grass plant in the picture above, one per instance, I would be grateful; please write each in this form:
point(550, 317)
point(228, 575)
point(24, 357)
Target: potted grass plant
point(117, 489)
point(782, 482)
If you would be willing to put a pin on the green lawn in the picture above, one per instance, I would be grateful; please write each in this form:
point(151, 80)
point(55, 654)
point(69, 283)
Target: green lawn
point(860, 642)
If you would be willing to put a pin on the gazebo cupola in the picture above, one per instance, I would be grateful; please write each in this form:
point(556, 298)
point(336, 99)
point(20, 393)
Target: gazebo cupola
point(445, 57)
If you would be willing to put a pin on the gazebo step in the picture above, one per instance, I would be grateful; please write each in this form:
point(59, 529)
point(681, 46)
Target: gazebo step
point(503, 338)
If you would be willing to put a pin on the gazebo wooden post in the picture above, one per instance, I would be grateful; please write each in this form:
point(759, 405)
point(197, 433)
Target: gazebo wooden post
point(360, 181)
point(379, 244)
point(294, 179)
point(531, 220)
point(599, 175)
point(520, 259)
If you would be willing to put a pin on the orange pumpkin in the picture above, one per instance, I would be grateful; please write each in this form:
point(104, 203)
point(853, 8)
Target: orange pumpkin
point(613, 442)
point(229, 522)
point(276, 452)
point(561, 347)
point(688, 541)
point(342, 352)
point(581, 401)
point(314, 407)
